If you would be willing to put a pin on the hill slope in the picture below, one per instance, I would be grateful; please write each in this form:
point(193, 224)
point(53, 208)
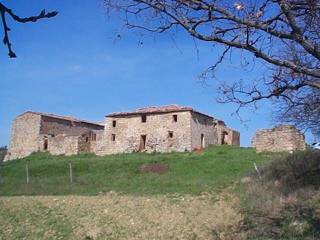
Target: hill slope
point(191, 173)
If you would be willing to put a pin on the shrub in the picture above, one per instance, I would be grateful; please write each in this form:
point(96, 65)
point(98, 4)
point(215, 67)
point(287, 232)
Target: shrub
point(294, 171)
point(284, 201)
point(3, 152)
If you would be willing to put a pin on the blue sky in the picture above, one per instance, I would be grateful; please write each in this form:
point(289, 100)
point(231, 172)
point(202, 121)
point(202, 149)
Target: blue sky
point(72, 65)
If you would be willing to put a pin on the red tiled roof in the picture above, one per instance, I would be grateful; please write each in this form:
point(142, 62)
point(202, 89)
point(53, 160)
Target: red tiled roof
point(154, 110)
point(67, 118)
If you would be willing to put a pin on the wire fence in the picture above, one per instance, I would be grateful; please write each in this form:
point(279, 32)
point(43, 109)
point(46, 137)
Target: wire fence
point(27, 175)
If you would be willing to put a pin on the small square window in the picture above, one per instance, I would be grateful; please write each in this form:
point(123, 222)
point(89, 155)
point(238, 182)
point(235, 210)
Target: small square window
point(144, 118)
point(113, 137)
point(114, 123)
point(170, 134)
point(175, 118)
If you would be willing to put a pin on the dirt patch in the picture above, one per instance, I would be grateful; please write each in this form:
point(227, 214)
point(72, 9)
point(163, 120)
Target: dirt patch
point(198, 150)
point(154, 168)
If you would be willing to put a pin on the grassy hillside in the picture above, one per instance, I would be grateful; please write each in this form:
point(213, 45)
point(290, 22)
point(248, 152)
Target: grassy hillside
point(193, 173)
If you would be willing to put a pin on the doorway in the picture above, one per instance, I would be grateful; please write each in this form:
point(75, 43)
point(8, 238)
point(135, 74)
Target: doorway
point(203, 144)
point(45, 144)
point(224, 138)
point(143, 139)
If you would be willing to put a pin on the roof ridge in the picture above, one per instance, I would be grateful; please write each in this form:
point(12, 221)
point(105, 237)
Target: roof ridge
point(67, 118)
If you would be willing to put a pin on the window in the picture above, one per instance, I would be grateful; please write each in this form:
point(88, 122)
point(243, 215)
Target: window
point(94, 137)
point(113, 137)
point(170, 134)
point(175, 118)
point(143, 118)
point(87, 139)
point(114, 123)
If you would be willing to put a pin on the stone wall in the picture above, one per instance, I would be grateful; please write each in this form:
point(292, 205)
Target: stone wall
point(55, 126)
point(203, 133)
point(227, 135)
point(162, 133)
point(24, 136)
point(69, 145)
point(33, 132)
point(97, 142)
point(281, 138)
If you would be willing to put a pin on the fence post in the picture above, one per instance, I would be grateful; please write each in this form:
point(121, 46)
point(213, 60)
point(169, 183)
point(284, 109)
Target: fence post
point(257, 169)
point(1, 178)
point(70, 172)
point(27, 173)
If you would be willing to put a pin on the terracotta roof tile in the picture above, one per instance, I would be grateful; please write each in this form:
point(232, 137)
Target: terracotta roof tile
point(156, 109)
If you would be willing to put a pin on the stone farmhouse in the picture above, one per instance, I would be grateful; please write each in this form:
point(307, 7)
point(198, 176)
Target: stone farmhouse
point(282, 138)
point(161, 129)
point(39, 132)
point(164, 129)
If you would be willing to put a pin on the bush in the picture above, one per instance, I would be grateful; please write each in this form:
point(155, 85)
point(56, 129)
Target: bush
point(284, 201)
point(294, 171)
point(3, 152)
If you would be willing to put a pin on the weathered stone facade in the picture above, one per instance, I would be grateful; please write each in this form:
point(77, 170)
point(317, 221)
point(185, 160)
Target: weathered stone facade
point(33, 132)
point(226, 135)
point(160, 129)
point(283, 138)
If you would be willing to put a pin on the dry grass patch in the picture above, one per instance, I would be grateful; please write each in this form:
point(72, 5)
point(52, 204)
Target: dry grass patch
point(114, 216)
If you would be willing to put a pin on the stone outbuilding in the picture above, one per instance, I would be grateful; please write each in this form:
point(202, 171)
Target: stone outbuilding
point(36, 132)
point(164, 129)
point(282, 138)
point(153, 129)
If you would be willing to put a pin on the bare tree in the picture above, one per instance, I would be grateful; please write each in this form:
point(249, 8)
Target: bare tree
point(5, 12)
point(283, 34)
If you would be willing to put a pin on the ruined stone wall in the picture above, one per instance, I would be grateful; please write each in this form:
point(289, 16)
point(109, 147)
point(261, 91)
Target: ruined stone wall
point(57, 145)
point(202, 125)
point(24, 136)
point(157, 128)
point(278, 139)
point(97, 144)
point(69, 145)
point(84, 143)
point(235, 138)
point(227, 135)
point(54, 126)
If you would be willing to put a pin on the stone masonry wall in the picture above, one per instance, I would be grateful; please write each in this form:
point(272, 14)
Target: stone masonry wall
point(54, 126)
point(24, 136)
point(281, 138)
point(202, 125)
point(227, 135)
point(69, 145)
point(32, 132)
point(97, 145)
point(157, 128)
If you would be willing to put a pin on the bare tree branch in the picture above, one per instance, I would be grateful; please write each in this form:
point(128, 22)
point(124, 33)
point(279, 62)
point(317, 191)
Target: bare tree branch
point(4, 10)
point(283, 34)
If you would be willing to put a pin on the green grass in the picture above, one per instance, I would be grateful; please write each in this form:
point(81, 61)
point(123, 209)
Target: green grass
point(189, 173)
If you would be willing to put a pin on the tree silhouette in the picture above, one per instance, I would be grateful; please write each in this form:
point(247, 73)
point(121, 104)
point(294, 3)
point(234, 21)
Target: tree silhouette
point(7, 12)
